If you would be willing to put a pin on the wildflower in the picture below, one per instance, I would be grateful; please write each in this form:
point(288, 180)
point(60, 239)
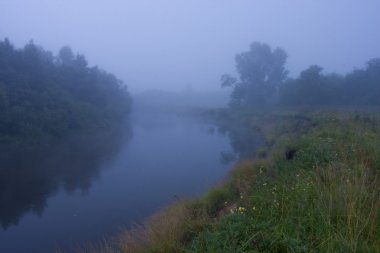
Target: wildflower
point(241, 209)
point(254, 208)
point(264, 184)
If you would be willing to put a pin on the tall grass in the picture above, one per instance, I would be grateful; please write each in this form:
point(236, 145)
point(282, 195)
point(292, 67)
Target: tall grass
point(324, 199)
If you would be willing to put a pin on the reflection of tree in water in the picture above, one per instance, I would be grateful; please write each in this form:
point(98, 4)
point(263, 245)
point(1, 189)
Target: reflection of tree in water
point(244, 141)
point(29, 178)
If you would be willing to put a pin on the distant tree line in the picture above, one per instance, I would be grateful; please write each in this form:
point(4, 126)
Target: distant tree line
point(263, 80)
point(44, 97)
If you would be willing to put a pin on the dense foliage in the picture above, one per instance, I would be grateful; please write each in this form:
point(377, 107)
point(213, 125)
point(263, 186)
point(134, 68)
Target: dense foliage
point(45, 97)
point(261, 71)
point(359, 88)
point(262, 81)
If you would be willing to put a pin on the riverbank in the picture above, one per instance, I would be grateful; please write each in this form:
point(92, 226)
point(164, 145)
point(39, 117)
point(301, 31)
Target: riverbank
point(313, 188)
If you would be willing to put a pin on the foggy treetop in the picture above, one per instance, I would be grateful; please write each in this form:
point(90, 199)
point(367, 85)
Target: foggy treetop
point(168, 44)
point(44, 97)
point(263, 81)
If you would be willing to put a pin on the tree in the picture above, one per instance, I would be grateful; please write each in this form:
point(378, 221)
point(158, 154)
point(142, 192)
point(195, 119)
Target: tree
point(66, 55)
point(80, 61)
point(312, 88)
point(3, 99)
point(44, 97)
point(261, 70)
point(373, 80)
point(364, 84)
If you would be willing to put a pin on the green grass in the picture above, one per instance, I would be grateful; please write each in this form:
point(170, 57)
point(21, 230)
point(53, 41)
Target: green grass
point(325, 199)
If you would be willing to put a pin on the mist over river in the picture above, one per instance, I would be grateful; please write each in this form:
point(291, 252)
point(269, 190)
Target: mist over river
point(83, 197)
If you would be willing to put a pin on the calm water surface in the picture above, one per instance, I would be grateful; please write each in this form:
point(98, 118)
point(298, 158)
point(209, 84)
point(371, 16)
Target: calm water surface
point(169, 156)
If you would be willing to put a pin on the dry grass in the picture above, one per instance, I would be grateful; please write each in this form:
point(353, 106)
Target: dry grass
point(326, 199)
point(163, 232)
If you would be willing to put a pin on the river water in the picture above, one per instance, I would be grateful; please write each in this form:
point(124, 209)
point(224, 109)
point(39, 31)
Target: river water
point(169, 156)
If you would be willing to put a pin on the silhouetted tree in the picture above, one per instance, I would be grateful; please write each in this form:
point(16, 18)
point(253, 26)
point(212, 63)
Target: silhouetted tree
point(261, 71)
point(263, 80)
point(66, 55)
point(363, 85)
point(312, 88)
point(45, 97)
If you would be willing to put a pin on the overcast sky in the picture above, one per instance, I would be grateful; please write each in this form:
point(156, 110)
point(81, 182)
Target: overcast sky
point(170, 44)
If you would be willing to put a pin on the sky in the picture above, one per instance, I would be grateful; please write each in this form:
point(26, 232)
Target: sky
point(177, 44)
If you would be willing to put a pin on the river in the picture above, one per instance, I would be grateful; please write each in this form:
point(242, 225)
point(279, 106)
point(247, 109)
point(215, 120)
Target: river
point(169, 156)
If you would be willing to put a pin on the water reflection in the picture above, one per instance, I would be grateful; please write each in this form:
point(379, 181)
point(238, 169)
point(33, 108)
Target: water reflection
point(170, 156)
point(244, 141)
point(28, 178)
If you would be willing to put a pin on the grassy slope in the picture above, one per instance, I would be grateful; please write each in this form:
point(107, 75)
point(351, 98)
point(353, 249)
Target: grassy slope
point(326, 199)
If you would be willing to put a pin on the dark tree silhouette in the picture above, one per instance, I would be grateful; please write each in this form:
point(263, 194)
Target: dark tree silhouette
point(45, 97)
point(54, 109)
point(261, 70)
point(360, 87)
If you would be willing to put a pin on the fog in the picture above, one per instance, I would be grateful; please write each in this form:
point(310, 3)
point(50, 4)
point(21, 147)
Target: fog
point(110, 111)
point(174, 45)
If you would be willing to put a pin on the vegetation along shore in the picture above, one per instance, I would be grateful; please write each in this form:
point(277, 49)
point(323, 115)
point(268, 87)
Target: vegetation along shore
point(313, 188)
point(314, 185)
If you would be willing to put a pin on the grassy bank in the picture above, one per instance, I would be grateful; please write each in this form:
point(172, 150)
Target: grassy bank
point(314, 188)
